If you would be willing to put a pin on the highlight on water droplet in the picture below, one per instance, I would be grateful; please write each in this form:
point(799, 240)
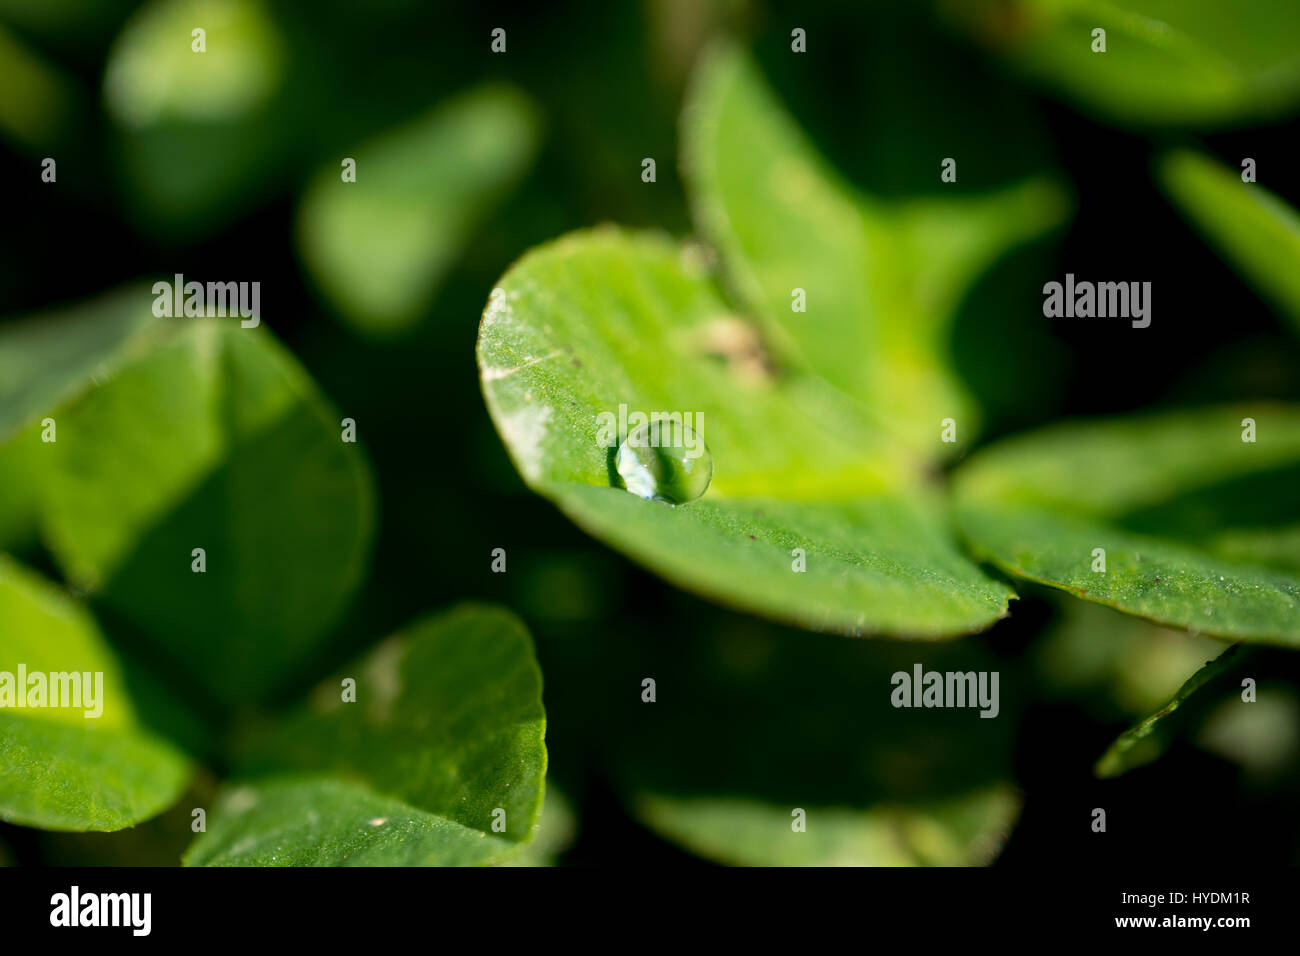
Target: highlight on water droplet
point(665, 460)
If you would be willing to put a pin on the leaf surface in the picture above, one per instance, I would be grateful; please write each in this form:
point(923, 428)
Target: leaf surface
point(182, 434)
point(882, 280)
point(1197, 525)
point(60, 768)
point(604, 319)
point(444, 739)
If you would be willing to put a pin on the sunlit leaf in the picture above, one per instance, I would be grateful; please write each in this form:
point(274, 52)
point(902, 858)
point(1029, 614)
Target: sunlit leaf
point(602, 319)
point(87, 764)
point(881, 280)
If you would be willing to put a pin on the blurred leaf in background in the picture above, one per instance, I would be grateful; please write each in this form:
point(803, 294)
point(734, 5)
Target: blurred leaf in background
point(1258, 233)
point(778, 720)
point(1193, 62)
point(198, 130)
point(378, 245)
point(180, 434)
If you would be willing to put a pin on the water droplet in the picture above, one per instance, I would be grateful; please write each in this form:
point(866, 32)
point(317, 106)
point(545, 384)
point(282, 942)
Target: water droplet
point(665, 460)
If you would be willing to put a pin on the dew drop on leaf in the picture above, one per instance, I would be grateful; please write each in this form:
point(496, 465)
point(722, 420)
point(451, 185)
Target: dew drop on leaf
point(665, 460)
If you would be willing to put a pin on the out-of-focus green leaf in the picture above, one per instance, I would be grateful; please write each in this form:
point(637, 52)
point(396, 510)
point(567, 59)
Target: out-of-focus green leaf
point(964, 831)
point(198, 132)
point(556, 828)
point(21, 480)
point(47, 359)
point(599, 319)
point(37, 101)
point(1146, 740)
point(444, 739)
point(1166, 61)
point(879, 784)
point(380, 246)
point(60, 768)
point(155, 74)
point(1114, 665)
point(882, 280)
point(206, 435)
point(1253, 229)
point(1159, 494)
point(1261, 736)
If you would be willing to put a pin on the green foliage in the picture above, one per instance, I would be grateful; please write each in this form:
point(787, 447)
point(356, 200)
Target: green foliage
point(847, 325)
point(1255, 230)
point(239, 458)
point(1144, 741)
point(379, 247)
point(812, 447)
point(445, 734)
point(1193, 520)
point(60, 768)
point(1166, 61)
point(600, 319)
point(883, 279)
point(879, 784)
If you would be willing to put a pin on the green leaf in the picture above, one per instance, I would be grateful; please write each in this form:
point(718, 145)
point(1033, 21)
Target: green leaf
point(1166, 61)
point(963, 831)
point(1147, 739)
point(882, 280)
point(599, 319)
point(1254, 230)
point(198, 133)
point(325, 821)
point(21, 480)
point(1197, 525)
point(1111, 665)
point(446, 730)
point(49, 358)
point(60, 768)
point(379, 247)
point(556, 829)
point(208, 435)
point(38, 102)
point(879, 784)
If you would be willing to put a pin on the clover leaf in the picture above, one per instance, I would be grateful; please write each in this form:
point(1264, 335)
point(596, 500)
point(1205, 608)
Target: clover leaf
point(1186, 518)
point(78, 758)
point(438, 759)
point(189, 465)
point(820, 426)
